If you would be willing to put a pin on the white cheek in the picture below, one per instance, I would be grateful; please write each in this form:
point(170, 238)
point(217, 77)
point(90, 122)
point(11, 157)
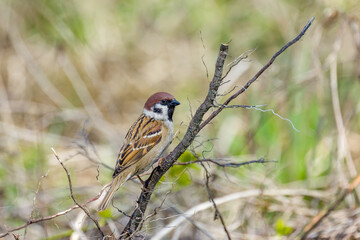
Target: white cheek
point(158, 116)
point(164, 113)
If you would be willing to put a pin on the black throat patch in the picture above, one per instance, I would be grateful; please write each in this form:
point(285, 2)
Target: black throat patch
point(170, 112)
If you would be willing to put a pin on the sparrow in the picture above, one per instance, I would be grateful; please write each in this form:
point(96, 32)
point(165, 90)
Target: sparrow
point(145, 142)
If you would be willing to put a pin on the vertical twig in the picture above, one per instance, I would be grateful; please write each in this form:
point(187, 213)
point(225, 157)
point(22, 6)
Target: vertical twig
point(217, 212)
point(72, 195)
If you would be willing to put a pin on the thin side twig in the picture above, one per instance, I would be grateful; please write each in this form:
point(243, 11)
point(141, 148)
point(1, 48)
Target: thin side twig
point(243, 56)
point(203, 56)
point(228, 164)
point(72, 195)
point(35, 198)
point(257, 75)
point(217, 211)
point(257, 107)
point(276, 114)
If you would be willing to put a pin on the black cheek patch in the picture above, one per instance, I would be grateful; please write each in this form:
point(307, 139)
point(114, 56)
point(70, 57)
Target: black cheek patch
point(157, 110)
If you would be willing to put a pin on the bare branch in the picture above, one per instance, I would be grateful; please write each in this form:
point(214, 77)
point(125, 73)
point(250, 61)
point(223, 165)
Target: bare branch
point(257, 75)
point(195, 126)
point(239, 106)
point(202, 57)
point(230, 164)
point(243, 56)
point(72, 195)
point(120, 211)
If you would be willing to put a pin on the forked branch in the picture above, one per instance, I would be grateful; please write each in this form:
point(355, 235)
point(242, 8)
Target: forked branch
point(196, 124)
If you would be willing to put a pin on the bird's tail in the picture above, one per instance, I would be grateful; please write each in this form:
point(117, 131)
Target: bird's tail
point(116, 183)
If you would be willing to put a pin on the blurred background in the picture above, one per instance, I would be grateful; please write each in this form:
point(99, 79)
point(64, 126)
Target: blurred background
point(74, 75)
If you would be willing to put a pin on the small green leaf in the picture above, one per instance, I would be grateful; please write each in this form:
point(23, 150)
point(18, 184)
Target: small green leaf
point(105, 214)
point(281, 228)
point(186, 157)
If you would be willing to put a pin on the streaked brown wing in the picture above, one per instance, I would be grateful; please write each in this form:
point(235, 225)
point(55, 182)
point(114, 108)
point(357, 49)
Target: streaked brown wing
point(140, 139)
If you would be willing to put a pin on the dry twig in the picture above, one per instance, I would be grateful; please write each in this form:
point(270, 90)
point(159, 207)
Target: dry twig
point(72, 195)
point(227, 164)
point(257, 75)
point(217, 211)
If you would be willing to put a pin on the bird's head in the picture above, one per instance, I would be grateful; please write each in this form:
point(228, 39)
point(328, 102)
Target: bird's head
point(161, 106)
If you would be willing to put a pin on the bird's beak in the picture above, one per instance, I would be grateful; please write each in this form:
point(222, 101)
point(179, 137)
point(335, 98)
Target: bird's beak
point(174, 103)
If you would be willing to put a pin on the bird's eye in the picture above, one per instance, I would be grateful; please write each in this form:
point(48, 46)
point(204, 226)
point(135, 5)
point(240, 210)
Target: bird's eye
point(163, 102)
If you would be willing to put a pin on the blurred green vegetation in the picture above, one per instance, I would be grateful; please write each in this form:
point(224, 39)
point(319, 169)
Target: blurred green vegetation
point(282, 229)
point(104, 59)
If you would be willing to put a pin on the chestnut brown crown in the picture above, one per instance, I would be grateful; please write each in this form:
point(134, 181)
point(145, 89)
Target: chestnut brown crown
point(157, 97)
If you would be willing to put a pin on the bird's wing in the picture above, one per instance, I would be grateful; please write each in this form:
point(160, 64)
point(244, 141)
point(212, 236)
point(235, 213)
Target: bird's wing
point(141, 138)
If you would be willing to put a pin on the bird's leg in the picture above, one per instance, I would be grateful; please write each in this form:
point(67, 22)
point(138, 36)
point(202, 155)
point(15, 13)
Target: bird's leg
point(143, 183)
